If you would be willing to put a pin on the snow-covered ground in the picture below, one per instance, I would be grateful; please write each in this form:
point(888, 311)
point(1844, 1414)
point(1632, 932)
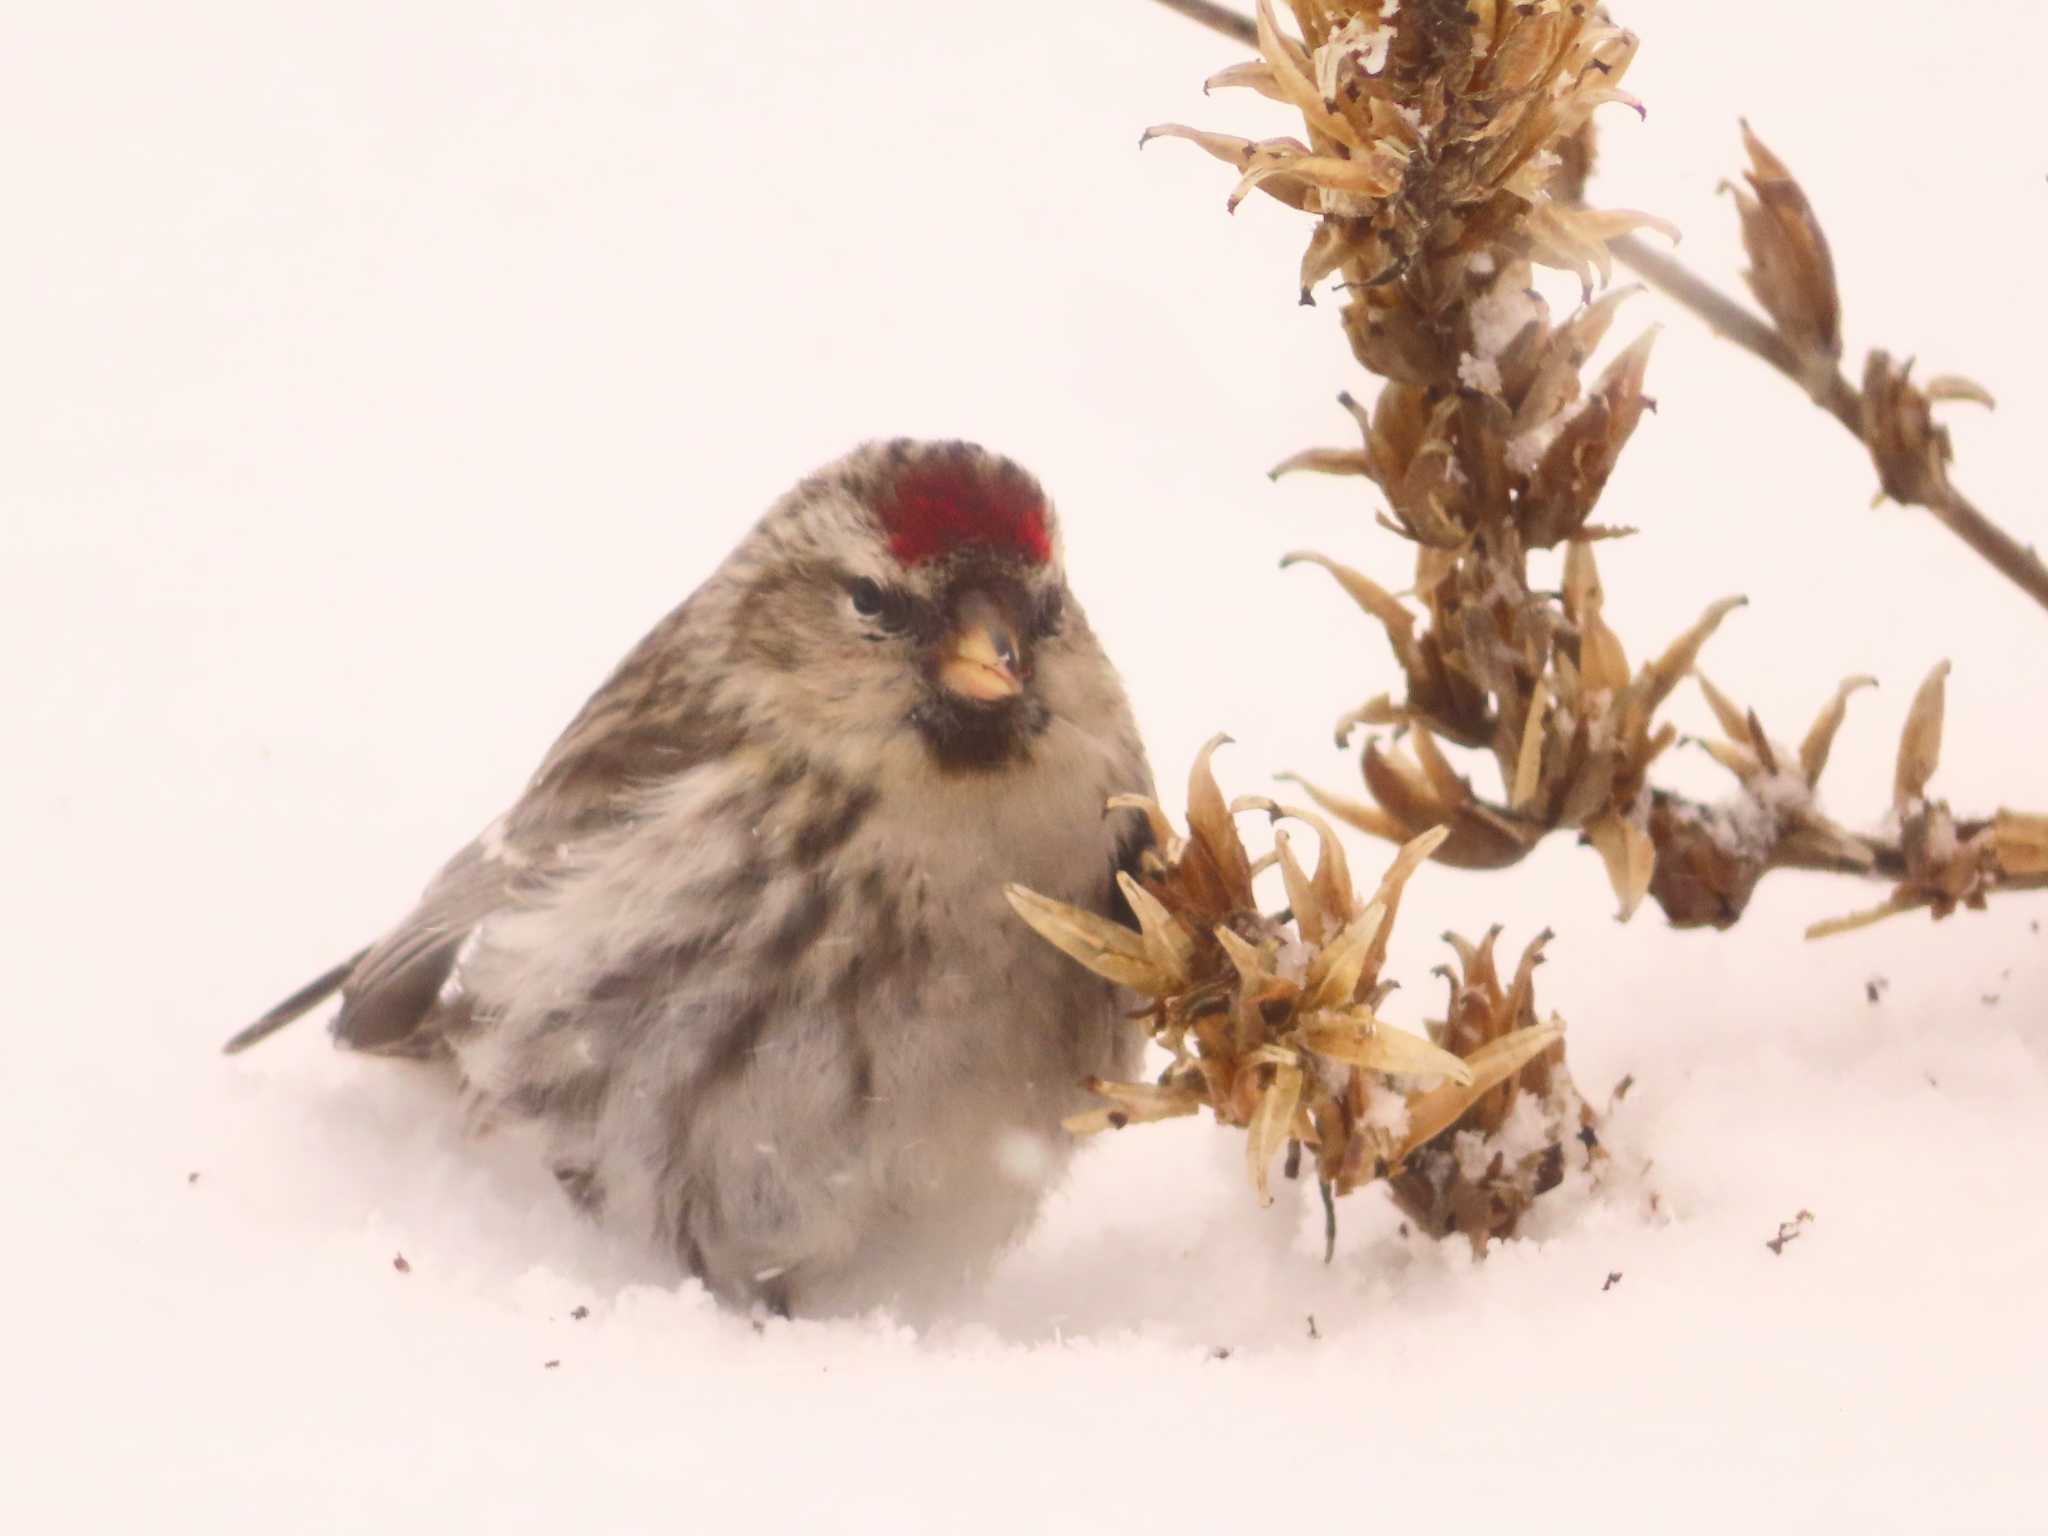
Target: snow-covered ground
point(375, 374)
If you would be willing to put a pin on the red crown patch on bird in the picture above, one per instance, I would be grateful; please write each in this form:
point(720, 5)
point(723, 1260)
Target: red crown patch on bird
point(958, 497)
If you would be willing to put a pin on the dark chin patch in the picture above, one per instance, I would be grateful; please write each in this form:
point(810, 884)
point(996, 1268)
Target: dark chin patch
point(966, 737)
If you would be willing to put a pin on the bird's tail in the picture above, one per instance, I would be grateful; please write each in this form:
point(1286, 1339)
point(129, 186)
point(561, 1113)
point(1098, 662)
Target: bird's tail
point(303, 1001)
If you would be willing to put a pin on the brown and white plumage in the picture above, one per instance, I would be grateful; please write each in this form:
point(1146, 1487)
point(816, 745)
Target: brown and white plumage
point(741, 946)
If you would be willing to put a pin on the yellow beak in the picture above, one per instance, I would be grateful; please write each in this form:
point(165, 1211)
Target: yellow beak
point(979, 660)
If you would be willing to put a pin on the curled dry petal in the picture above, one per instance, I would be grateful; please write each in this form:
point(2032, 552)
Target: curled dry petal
point(1432, 1113)
point(1210, 821)
point(1302, 899)
point(1108, 949)
point(1375, 599)
point(1522, 994)
point(1864, 919)
point(1664, 673)
point(1630, 857)
point(1820, 739)
point(1953, 386)
point(1271, 1125)
point(1132, 1104)
point(1529, 756)
point(1362, 1041)
point(1334, 974)
point(1366, 818)
point(1168, 944)
point(1738, 760)
point(1920, 742)
point(1322, 461)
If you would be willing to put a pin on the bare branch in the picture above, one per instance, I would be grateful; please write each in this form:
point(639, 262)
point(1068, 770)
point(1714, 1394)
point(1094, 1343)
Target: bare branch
point(1833, 393)
point(1218, 18)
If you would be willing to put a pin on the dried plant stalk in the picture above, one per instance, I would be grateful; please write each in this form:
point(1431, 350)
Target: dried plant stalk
point(1793, 277)
point(1272, 1020)
point(1445, 152)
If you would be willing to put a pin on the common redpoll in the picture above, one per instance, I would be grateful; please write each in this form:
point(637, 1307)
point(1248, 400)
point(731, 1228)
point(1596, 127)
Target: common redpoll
point(741, 947)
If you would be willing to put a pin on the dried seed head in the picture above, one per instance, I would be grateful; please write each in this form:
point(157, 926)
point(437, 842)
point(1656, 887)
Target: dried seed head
point(1476, 1155)
point(1272, 1020)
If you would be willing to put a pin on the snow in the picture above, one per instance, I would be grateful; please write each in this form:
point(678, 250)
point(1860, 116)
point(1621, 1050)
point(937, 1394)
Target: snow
point(381, 373)
point(1480, 373)
point(1500, 314)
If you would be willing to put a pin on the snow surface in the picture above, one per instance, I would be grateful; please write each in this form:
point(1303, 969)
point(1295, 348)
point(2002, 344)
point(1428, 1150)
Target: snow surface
point(378, 373)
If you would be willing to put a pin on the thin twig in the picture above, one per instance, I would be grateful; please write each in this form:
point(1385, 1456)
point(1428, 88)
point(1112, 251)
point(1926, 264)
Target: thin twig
point(1731, 321)
point(1833, 393)
point(1217, 18)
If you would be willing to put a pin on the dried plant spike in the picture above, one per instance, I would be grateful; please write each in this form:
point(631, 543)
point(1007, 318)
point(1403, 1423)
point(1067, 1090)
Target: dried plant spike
point(1414, 853)
point(1920, 742)
point(1108, 949)
point(1582, 590)
point(1448, 786)
point(1254, 76)
point(1820, 738)
point(1738, 760)
point(1603, 664)
point(1432, 1113)
point(1521, 994)
point(1321, 461)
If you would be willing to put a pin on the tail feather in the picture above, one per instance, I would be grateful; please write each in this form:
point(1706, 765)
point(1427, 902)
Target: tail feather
point(303, 1001)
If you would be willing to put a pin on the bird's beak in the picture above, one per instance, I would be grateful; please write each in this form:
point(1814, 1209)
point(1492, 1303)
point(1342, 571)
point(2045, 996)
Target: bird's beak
point(979, 660)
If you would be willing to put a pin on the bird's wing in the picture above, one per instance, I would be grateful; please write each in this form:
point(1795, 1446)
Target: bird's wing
point(647, 723)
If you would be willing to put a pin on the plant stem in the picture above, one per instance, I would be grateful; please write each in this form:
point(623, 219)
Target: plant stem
point(1217, 18)
point(1834, 394)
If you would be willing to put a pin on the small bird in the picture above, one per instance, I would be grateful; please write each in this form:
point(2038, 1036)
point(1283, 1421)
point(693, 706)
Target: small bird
point(740, 949)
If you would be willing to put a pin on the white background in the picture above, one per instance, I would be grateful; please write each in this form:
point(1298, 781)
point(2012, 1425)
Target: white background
point(375, 374)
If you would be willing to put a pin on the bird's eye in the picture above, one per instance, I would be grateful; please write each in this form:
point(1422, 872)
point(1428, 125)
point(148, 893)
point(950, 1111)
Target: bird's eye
point(867, 597)
point(1051, 609)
